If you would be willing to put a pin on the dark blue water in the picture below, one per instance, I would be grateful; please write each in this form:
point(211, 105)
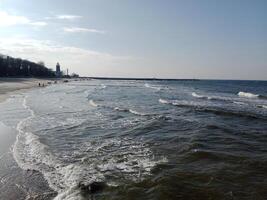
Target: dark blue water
point(145, 140)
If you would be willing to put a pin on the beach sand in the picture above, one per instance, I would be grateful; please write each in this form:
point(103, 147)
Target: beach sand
point(9, 86)
point(15, 183)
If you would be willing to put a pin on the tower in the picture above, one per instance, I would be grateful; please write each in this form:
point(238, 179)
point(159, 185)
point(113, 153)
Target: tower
point(58, 72)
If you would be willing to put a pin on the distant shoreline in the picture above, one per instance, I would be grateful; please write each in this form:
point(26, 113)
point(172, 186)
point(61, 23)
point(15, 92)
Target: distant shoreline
point(124, 78)
point(161, 79)
point(140, 79)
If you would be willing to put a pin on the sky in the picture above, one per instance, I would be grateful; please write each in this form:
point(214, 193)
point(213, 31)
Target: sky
point(205, 39)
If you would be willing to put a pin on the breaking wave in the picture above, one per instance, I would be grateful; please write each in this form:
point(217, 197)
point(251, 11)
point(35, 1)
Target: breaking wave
point(130, 111)
point(163, 101)
point(100, 160)
point(136, 112)
point(92, 103)
point(218, 98)
point(239, 103)
point(212, 109)
point(247, 95)
point(251, 95)
point(262, 106)
point(199, 96)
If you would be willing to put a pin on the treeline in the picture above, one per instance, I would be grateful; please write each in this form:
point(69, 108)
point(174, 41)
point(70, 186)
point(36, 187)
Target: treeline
point(10, 67)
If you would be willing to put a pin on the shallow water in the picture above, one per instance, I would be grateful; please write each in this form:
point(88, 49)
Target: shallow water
point(145, 140)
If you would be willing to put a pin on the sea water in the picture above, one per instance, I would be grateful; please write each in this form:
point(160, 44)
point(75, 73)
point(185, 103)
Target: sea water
point(144, 139)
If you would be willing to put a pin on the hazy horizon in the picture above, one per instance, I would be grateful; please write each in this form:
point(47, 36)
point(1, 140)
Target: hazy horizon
point(151, 39)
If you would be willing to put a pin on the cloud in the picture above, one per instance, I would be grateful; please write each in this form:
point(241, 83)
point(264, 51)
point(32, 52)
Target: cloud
point(38, 23)
point(68, 17)
point(82, 30)
point(82, 61)
point(7, 19)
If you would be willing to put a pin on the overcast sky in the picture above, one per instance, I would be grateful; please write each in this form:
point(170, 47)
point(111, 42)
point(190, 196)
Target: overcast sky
point(218, 39)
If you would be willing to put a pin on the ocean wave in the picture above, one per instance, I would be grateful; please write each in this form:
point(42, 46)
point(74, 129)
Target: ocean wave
point(64, 178)
point(121, 109)
point(31, 154)
point(94, 104)
point(211, 109)
point(130, 111)
point(243, 114)
point(136, 112)
point(262, 106)
point(199, 96)
point(251, 95)
point(216, 98)
point(181, 103)
point(247, 95)
point(152, 87)
point(128, 158)
point(163, 101)
point(239, 103)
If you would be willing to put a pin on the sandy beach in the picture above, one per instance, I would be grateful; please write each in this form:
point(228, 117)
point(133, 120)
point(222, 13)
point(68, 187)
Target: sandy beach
point(9, 86)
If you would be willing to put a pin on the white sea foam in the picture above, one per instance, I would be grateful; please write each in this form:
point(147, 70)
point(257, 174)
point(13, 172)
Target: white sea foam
point(121, 109)
point(124, 157)
point(262, 106)
point(92, 103)
point(198, 96)
point(152, 86)
point(206, 97)
point(163, 101)
point(104, 157)
point(183, 103)
point(64, 178)
point(118, 109)
point(218, 98)
point(30, 153)
point(239, 102)
point(130, 111)
point(247, 95)
point(136, 112)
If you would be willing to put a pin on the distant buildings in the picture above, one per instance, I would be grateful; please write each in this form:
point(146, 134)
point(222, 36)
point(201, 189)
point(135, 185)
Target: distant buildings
point(17, 67)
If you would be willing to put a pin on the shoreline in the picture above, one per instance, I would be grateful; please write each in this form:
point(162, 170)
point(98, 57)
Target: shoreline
point(16, 183)
point(11, 86)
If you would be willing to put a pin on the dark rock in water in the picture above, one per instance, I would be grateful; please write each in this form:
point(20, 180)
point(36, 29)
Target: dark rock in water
point(92, 188)
point(97, 187)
